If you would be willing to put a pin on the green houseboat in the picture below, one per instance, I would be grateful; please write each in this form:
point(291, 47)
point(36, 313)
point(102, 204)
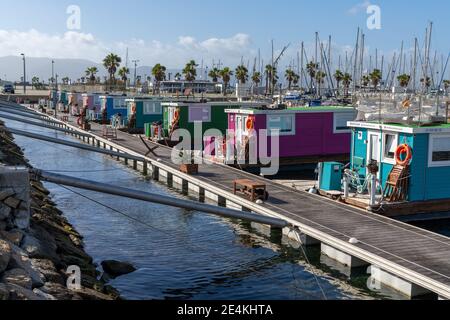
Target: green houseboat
point(211, 115)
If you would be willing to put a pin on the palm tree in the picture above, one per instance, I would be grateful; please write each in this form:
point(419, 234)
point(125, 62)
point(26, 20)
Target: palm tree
point(242, 74)
point(320, 76)
point(446, 85)
point(365, 80)
point(426, 83)
point(256, 78)
point(214, 74)
point(339, 76)
point(91, 73)
point(178, 76)
point(290, 76)
point(271, 78)
point(159, 72)
point(111, 64)
point(404, 80)
point(190, 71)
point(376, 77)
point(35, 82)
point(123, 74)
point(312, 69)
point(65, 80)
point(226, 75)
point(347, 80)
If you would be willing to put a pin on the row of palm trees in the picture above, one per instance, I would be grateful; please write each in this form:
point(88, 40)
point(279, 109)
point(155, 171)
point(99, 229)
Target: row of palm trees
point(317, 77)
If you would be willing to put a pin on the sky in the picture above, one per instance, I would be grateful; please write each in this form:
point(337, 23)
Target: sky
point(174, 31)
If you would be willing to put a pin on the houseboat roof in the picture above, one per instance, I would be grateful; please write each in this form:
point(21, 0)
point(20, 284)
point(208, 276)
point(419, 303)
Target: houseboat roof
point(324, 109)
point(403, 128)
point(105, 96)
point(246, 104)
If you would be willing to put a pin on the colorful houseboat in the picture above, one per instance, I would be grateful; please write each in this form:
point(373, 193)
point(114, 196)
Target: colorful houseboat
point(413, 165)
point(142, 111)
point(210, 114)
point(75, 102)
point(92, 102)
point(112, 105)
point(306, 135)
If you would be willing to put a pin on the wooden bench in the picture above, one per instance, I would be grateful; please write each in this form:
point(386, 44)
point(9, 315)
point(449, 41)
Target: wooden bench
point(254, 190)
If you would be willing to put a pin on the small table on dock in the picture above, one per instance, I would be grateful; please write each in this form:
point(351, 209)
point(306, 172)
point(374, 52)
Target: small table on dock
point(251, 189)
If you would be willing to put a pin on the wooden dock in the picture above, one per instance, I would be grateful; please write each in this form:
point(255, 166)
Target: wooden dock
point(412, 254)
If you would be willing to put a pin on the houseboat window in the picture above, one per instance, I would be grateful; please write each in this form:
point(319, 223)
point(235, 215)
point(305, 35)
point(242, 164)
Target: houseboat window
point(200, 114)
point(284, 123)
point(341, 120)
point(390, 146)
point(120, 104)
point(440, 150)
point(151, 108)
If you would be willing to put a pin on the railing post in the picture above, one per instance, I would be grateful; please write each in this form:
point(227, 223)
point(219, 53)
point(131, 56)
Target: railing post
point(373, 190)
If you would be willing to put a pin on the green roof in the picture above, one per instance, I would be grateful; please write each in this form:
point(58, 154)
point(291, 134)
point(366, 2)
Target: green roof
point(321, 108)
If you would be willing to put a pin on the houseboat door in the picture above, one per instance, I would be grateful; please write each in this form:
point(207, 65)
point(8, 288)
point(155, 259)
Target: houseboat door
point(240, 129)
point(374, 147)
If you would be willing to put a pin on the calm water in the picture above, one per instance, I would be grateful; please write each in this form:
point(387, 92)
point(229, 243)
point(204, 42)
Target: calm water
point(182, 254)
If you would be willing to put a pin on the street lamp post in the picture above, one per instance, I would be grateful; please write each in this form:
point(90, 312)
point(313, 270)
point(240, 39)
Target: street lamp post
point(24, 74)
point(55, 97)
point(135, 71)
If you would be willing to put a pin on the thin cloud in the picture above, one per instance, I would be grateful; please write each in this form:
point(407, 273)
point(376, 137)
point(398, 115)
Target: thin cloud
point(359, 7)
point(77, 45)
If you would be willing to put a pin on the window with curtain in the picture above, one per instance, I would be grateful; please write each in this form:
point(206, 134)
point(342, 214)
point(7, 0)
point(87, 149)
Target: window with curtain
point(390, 146)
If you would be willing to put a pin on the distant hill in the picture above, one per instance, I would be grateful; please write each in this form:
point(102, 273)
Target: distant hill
point(11, 68)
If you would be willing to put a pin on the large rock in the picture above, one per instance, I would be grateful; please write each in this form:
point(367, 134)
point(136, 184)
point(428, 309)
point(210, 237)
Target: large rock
point(39, 249)
point(20, 260)
point(14, 236)
point(59, 291)
point(44, 295)
point(4, 194)
point(19, 293)
point(116, 268)
point(4, 292)
point(22, 219)
point(18, 277)
point(48, 269)
point(5, 211)
point(5, 255)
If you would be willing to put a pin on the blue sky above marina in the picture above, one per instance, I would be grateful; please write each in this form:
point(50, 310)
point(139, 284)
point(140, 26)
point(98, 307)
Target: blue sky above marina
point(171, 31)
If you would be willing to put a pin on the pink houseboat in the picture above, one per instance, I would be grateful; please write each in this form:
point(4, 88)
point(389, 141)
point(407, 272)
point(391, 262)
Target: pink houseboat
point(93, 103)
point(306, 134)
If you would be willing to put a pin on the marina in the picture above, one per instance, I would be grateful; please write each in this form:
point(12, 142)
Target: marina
point(318, 220)
point(271, 158)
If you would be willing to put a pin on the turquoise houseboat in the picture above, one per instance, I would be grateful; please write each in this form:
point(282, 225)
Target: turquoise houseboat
point(430, 162)
point(410, 164)
point(112, 105)
point(142, 111)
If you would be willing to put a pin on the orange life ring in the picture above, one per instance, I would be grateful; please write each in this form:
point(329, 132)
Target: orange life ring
point(406, 103)
point(250, 124)
point(406, 151)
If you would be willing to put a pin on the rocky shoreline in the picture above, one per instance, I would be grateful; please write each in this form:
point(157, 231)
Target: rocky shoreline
point(35, 254)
